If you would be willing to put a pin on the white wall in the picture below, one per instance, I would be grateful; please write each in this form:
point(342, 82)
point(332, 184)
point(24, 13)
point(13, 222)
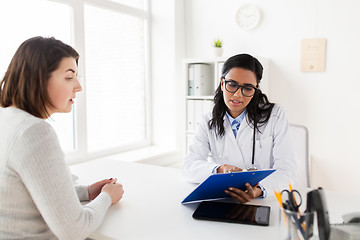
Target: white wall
point(325, 102)
point(168, 50)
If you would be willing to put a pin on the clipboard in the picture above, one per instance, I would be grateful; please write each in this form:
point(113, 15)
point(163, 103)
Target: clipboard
point(213, 187)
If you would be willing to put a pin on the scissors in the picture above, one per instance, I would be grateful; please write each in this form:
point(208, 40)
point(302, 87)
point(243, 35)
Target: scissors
point(292, 201)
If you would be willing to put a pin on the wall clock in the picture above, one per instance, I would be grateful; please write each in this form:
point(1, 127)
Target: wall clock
point(248, 16)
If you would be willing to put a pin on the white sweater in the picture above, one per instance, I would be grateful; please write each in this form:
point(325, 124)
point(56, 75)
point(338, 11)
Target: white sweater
point(37, 196)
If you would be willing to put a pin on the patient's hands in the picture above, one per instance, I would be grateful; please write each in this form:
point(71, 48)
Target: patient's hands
point(115, 190)
point(95, 188)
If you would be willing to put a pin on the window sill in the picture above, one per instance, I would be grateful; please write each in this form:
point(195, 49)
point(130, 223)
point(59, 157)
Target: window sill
point(155, 155)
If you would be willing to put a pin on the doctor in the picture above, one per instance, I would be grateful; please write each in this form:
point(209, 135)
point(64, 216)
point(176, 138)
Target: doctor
point(224, 139)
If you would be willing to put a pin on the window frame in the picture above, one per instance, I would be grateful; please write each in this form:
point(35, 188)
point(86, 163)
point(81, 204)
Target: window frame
point(81, 152)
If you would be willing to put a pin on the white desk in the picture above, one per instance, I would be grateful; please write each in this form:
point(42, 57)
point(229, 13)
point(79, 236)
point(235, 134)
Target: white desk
point(151, 208)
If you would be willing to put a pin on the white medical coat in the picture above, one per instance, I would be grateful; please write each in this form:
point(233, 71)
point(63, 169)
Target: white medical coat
point(273, 150)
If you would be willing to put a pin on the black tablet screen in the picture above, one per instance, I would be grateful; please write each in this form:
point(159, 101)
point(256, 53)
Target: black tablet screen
point(233, 212)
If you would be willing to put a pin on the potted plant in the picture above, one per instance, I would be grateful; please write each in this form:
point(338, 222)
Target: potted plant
point(217, 46)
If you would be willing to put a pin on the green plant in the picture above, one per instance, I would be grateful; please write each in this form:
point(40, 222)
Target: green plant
point(218, 43)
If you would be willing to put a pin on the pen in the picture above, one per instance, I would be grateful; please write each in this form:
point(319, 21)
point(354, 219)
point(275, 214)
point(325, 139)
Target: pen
point(279, 199)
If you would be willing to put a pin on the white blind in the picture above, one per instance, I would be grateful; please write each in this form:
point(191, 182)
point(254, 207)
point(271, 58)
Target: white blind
point(23, 19)
point(113, 54)
point(115, 78)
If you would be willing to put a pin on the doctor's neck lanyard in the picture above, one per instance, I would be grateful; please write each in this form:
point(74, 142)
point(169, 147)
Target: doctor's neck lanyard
point(253, 167)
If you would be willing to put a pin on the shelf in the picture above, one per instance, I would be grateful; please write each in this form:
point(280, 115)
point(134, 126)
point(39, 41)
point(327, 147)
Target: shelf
point(203, 81)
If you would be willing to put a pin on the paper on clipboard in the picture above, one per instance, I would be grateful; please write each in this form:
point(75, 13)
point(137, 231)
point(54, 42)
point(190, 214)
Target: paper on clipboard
point(213, 187)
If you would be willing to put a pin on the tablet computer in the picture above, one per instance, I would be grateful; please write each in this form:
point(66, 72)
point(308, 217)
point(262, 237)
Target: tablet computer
point(233, 213)
point(215, 185)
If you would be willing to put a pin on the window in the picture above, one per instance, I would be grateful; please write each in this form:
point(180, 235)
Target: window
point(132, 3)
point(111, 113)
point(21, 24)
point(115, 78)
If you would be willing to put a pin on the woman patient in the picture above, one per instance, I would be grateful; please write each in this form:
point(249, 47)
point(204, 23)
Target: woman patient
point(37, 196)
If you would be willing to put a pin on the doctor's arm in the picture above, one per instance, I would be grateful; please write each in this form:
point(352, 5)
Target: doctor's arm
point(283, 156)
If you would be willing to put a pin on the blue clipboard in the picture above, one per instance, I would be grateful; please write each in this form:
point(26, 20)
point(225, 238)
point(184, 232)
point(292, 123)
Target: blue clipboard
point(213, 187)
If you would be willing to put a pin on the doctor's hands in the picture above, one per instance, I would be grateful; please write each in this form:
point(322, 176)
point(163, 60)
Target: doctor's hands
point(244, 196)
point(225, 168)
point(239, 195)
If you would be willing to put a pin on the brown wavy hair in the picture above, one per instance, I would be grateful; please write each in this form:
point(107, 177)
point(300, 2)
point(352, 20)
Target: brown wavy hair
point(25, 82)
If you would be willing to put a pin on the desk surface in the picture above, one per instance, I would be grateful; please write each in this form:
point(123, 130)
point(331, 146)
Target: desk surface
point(151, 207)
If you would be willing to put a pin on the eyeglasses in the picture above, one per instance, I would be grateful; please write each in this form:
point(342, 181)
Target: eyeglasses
point(232, 86)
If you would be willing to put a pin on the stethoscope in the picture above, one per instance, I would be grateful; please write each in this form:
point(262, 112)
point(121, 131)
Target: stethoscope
point(253, 166)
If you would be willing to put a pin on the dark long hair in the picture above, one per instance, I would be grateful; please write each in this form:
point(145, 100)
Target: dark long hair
point(258, 109)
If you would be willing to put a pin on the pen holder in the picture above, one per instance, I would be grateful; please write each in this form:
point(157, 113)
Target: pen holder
point(296, 226)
